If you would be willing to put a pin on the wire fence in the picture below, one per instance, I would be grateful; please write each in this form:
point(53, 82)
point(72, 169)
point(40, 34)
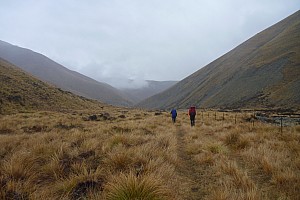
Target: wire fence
point(280, 120)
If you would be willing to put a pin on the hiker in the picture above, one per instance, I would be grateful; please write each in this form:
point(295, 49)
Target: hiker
point(192, 114)
point(174, 115)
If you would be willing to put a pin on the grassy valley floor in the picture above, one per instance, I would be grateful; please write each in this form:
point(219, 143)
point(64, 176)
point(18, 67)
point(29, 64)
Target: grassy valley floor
point(135, 154)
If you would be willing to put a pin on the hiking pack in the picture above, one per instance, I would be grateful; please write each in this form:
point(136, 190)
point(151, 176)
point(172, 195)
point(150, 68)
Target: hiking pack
point(192, 111)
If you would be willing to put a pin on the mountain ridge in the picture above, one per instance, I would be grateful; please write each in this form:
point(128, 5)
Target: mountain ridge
point(56, 74)
point(264, 62)
point(48, 70)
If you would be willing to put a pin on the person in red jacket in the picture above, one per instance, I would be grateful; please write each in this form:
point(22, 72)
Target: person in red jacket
point(192, 114)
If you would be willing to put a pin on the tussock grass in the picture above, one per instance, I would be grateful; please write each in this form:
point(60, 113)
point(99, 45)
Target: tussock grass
point(49, 155)
point(242, 159)
point(129, 186)
point(236, 140)
point(216, 148)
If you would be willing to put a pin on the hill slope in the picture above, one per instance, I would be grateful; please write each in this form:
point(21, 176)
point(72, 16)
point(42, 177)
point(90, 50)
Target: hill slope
point(262, 72)
point(20, 91)
point(56, 74)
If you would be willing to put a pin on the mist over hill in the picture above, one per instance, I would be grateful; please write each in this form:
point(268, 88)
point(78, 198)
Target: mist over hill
point(262, 72)
point(47, 70)
point(149, 89)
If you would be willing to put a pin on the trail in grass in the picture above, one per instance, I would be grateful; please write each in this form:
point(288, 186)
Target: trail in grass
point(194, 175)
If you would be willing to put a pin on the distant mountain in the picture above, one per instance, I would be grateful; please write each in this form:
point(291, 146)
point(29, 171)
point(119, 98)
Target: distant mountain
point(47, 70)
point(263, 72)
point(21, 92)
point(153, 87)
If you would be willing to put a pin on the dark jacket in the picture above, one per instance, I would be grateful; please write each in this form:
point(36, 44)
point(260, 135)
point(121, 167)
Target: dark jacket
point(174, 113)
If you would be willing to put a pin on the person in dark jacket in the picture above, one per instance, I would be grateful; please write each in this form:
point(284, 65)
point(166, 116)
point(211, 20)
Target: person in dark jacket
point(174, 115)
point(192, 114)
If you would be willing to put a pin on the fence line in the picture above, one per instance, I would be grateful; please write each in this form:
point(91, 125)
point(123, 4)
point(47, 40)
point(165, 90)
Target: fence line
point(278, 120)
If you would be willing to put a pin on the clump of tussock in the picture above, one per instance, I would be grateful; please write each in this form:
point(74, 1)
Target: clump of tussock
point(119, 161)
point(81, 184)
point(126, 140)
point(19, 166)
point(206, 158)
point(236, 140)
point(216, 148)
point(130, 186)
point(194, 148)
point(239, 177)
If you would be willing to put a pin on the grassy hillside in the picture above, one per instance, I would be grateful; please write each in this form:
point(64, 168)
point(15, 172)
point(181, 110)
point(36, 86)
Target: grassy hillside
point(20, 92)
point(48, 70)
point(262, 72)
point(142, 155)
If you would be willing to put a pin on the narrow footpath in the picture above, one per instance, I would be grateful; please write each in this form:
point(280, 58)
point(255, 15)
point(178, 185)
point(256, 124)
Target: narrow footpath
point(193, 174)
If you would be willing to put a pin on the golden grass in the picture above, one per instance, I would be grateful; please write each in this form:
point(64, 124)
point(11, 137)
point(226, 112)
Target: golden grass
point(130, 186)
point(49, 155)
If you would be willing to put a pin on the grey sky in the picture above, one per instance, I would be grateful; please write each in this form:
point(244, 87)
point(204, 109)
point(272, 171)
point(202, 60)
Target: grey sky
point(116, 40)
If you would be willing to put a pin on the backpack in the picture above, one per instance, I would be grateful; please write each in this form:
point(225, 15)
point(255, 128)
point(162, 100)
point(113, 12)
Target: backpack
point(192, 111)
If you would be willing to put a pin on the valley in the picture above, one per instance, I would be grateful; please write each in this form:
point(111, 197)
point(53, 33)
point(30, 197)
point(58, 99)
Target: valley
point(66, 136)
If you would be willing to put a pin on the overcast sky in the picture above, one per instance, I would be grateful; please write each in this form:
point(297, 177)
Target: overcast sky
point(116, 40)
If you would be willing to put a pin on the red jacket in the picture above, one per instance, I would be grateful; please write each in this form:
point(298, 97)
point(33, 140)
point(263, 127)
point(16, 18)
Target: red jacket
point(192, 110)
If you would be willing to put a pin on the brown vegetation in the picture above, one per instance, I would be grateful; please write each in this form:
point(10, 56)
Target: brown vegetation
point(21, 92)
point(141, 155)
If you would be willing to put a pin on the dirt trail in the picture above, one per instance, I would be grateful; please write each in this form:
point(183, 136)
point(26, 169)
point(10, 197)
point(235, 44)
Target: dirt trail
point(194, 175)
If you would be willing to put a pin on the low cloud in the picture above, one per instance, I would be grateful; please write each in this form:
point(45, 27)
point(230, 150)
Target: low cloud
point(125, 42)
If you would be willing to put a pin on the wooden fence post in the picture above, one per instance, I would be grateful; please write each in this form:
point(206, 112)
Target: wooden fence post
point(281, 124)
point(235, 119)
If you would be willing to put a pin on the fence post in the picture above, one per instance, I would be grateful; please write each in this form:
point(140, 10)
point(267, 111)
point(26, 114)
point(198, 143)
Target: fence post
point(235, 119)
point(223, 117)
point(215, 115)
point(281, 124)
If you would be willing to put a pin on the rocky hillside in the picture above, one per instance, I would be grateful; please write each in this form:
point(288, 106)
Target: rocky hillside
point(21, 92)
point(262, 72)
point(47, 70)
